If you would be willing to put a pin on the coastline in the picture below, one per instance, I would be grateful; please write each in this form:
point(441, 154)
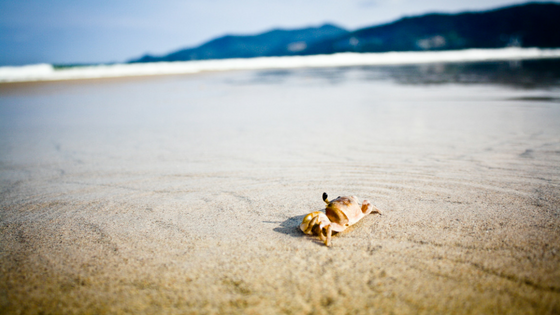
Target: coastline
point(46, 72)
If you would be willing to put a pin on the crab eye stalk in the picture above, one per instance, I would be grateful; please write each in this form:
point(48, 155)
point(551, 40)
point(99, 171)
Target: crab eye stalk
point(325, 196)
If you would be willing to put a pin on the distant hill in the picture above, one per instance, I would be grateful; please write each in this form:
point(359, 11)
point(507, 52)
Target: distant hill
point(273, 43)
point(528, 25)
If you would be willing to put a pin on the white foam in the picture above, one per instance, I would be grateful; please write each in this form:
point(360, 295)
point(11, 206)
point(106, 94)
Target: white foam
point(46, 72)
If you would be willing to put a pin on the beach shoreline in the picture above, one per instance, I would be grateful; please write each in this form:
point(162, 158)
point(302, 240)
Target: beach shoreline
point(48, 72)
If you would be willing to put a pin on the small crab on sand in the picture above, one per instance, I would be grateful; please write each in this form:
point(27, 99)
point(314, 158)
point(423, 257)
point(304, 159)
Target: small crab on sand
point(340, 213)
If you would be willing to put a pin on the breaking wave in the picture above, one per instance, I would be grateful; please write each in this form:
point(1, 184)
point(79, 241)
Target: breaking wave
point(46, 72)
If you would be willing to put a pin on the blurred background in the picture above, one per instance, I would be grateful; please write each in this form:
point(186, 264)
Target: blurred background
point(75, 32)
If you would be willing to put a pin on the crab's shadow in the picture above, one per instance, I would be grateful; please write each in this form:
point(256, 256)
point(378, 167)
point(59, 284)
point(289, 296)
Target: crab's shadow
point(291, 226)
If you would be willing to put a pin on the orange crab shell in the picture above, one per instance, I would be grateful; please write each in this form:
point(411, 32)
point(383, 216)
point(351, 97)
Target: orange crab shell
point(346, 211)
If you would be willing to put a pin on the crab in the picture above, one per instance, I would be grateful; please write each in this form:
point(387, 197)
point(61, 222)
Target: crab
point(340, 213)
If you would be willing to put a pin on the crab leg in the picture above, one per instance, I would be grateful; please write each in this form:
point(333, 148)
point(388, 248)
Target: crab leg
point(368, 208)
point(376, 210)
point(322, 236)
point(328, 238)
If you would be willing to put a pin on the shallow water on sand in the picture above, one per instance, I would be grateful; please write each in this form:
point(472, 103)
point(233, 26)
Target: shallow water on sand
point(160, 193)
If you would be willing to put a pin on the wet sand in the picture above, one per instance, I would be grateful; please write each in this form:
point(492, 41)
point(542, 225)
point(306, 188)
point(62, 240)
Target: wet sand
point(183, 194)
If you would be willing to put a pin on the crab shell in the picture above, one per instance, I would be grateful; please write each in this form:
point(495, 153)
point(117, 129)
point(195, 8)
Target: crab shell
point(340, 213)
point(346, 211)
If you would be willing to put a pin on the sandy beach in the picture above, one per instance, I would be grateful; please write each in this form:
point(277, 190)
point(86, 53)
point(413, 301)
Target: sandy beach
point(183, 194)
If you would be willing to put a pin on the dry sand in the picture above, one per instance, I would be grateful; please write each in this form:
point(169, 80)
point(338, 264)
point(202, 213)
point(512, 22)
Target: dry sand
point(182, 195)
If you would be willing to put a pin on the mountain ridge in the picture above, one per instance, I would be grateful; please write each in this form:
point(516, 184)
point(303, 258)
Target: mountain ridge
point(276, 42)
point(525, 25)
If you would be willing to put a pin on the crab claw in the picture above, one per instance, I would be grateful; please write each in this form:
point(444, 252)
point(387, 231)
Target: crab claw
point(309, 221)
point(317, 223)
point(314, 220)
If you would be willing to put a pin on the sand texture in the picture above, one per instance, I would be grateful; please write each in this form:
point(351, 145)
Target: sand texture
point(182, 195)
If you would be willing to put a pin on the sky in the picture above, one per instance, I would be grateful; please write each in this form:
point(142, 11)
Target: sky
point(102, 31)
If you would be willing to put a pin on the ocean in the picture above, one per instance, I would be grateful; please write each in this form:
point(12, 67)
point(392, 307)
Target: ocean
point(205, 121)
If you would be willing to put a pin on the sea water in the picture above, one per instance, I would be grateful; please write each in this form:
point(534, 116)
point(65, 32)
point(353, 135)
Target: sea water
point(450, 113)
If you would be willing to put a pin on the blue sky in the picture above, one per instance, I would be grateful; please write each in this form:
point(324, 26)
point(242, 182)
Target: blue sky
point(73, 31)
